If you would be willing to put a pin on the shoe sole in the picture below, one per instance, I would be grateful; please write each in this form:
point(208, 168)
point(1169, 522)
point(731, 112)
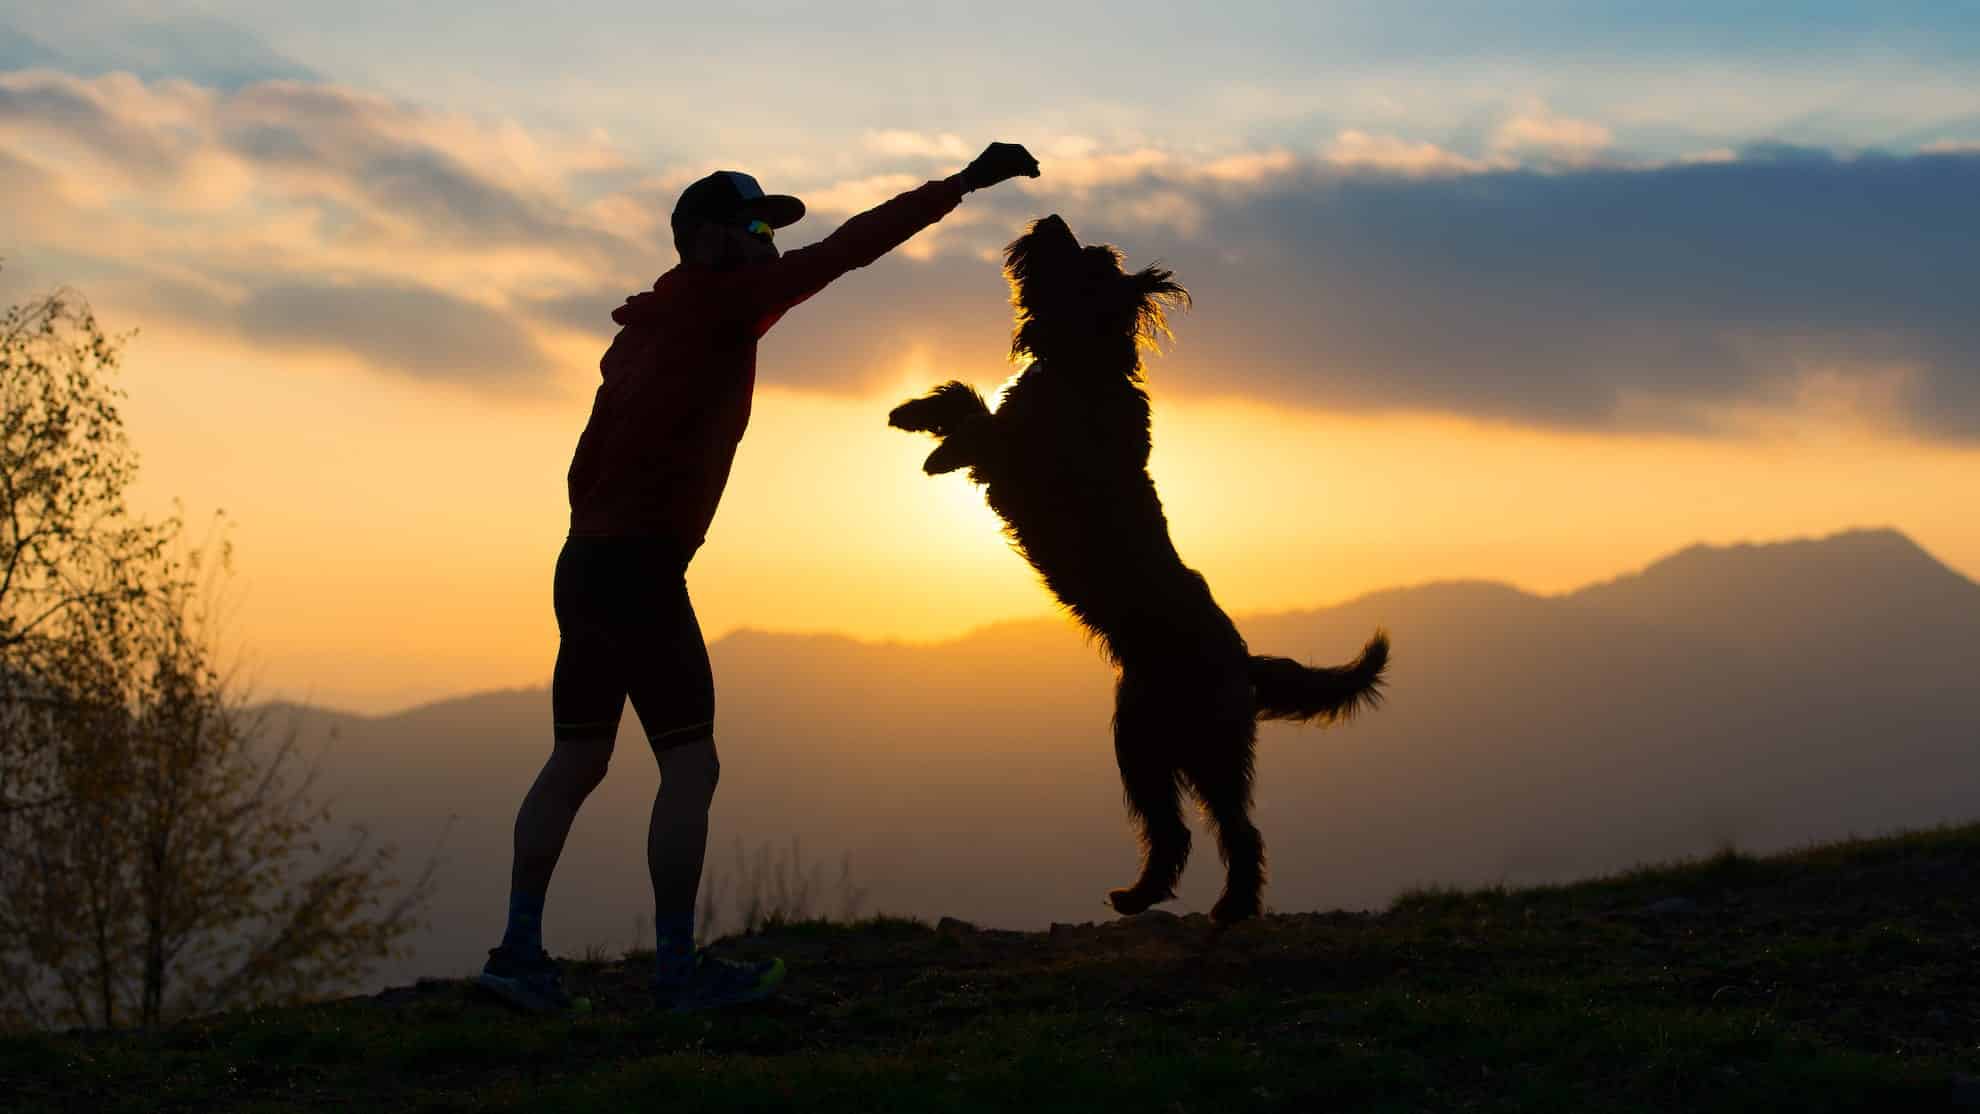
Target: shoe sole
point(764, 988)
point(516, 993)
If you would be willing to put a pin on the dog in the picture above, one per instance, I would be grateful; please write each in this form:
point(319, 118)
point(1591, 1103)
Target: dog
point(1063, 460)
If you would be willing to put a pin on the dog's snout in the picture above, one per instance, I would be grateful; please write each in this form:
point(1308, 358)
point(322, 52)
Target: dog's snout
point(1053, 226)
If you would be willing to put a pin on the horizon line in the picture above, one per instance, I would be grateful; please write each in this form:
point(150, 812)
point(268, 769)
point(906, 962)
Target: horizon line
point(1050, 616)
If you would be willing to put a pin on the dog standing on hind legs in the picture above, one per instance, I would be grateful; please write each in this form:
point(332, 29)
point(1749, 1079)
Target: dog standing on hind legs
point(1064, 461)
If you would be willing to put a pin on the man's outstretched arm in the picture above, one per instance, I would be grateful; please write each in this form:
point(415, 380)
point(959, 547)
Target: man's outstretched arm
point(797, 275)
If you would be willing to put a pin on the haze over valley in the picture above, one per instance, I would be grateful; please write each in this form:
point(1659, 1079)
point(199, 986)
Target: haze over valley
point(1760, 696)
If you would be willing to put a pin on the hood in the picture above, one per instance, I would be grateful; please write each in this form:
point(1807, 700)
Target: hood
point(645, 305)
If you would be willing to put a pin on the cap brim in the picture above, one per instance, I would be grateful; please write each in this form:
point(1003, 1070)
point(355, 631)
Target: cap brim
point(778, 209)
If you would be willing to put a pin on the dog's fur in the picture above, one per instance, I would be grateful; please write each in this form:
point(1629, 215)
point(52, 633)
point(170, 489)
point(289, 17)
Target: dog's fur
point(1064, 461)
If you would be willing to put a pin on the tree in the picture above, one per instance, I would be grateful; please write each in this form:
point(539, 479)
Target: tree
point(71, 559)
point(163, 851)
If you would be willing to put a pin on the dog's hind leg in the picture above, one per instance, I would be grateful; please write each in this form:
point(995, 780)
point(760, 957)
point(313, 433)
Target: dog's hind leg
point(1149, 782)
point(1221, 775)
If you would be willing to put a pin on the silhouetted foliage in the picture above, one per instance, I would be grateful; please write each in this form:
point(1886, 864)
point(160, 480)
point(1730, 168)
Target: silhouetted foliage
point(160, 853)
point(774, 886)
point(72, 560)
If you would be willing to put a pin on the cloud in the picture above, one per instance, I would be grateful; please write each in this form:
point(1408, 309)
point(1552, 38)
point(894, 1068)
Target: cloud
point(1387, 154)
point(898, 143)
point(418, 331)
point(1250, 168)
point(1610, 298)
point(209, 51)
point(80, 122)
point(1550, 280)
point(1080, 171)
point(21, 51)
point(1537, 130)
point(443, 178)
point(858, 195)
point(431, 224)
point(1600, 298)
point(27, 188)
point(192, 47)
point(1711, 155)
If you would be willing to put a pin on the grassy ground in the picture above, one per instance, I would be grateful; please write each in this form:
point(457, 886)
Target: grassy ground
point(1842, 978)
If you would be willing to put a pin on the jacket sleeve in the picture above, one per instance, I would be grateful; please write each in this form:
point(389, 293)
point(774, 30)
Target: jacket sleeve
point(774, 287)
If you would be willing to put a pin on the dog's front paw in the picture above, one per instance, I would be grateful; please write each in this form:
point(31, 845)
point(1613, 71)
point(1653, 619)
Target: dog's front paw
point(938, 412)
point(947, 457)
point(920, 415)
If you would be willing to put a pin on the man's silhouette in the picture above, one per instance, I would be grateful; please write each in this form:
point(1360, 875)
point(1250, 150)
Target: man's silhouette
point(648, 473)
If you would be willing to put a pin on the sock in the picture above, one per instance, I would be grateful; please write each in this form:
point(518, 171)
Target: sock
point(673, 950)
point(525, 931)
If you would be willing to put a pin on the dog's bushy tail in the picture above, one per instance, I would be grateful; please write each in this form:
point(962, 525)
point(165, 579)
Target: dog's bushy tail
point(1327, 694)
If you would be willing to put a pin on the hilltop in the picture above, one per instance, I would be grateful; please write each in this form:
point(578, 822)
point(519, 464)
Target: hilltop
point(1836, 978)
point(1764, 696)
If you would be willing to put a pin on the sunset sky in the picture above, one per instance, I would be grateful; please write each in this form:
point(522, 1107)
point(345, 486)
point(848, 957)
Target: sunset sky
point(1527, 291)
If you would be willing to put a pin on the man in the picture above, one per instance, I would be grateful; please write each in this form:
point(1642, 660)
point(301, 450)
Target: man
point(648, 473)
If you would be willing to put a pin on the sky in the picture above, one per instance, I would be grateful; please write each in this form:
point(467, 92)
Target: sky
point(1535, 292)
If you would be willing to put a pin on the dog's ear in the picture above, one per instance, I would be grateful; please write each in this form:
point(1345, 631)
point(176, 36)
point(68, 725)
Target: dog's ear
point(1156, 293)
point(1017, 258)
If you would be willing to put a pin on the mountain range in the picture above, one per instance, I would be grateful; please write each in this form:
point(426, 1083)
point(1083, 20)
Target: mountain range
point(1759, 696)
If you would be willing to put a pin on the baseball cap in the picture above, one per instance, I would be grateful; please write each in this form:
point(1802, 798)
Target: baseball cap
point(729, 194)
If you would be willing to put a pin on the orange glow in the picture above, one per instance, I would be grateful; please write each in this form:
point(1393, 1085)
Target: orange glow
point(395, 542)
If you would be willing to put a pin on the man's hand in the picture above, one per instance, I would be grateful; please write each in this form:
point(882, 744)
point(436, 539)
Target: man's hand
point(997, 163)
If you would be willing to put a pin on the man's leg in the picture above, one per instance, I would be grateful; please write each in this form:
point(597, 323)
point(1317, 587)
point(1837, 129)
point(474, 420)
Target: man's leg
point(677, 843)
point(519, 970)
point(587, 695)
point(675, 698)
point(574, 769)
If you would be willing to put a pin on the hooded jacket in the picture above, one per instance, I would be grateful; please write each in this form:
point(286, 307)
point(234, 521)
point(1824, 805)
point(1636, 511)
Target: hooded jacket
point(678, 378)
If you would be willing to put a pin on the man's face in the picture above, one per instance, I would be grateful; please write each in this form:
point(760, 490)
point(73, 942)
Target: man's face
point(731, 244)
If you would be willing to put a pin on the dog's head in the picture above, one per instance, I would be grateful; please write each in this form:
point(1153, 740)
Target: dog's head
point(1069, 295)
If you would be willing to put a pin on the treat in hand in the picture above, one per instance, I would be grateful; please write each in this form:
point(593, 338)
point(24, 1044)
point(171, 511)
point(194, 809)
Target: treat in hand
point(997, 163)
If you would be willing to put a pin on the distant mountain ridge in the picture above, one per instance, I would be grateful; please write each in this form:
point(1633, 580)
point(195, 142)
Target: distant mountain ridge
point(1860, 577)
point(1762, 695)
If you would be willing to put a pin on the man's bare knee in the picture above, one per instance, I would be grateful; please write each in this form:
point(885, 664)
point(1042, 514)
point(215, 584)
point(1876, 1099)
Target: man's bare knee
point(688, 774)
